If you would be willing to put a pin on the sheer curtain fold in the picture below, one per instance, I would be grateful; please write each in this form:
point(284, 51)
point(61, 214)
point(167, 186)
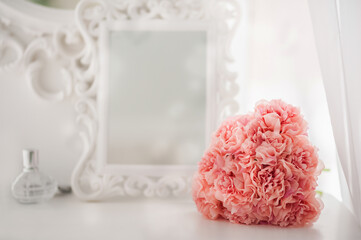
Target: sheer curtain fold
point(337, 30)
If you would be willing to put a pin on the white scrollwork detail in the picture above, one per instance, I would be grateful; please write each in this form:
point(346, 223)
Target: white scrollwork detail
point(48, 57)
point(87, 182)
point(36, 55)
point(11, 50)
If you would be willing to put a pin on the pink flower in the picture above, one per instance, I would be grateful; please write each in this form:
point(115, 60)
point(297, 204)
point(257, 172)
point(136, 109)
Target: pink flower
point(260, 168)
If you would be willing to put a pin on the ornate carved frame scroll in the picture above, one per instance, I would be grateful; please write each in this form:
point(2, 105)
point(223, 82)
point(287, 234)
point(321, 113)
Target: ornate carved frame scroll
point(32, 36)
point(87, 181)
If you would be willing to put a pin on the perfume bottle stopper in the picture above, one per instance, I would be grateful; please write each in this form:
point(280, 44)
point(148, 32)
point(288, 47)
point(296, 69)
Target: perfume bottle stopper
point(30, 158)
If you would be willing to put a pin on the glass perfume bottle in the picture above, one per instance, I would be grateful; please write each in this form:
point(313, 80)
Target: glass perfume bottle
point(32, 186)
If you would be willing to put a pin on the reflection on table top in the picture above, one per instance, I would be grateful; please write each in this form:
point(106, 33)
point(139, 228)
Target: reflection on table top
point(66, 217)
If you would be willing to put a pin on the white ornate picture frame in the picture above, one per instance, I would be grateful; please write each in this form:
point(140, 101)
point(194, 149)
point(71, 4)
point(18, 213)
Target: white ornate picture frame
point(91, 179)
point(36, 35)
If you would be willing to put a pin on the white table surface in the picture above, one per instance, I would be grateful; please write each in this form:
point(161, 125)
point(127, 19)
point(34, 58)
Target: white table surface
point(66, 217)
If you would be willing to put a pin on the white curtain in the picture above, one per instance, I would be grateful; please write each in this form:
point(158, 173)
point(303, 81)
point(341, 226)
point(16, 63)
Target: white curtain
point(337, 29)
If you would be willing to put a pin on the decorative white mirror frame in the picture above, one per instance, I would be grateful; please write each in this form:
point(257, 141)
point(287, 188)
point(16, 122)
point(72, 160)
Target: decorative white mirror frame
point(222, 18)
point(36, 35)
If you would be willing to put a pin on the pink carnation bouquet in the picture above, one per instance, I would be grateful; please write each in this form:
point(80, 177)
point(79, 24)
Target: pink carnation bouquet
point(260, 168)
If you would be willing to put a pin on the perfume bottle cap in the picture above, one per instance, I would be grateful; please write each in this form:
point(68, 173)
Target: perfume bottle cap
point(30, 158)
